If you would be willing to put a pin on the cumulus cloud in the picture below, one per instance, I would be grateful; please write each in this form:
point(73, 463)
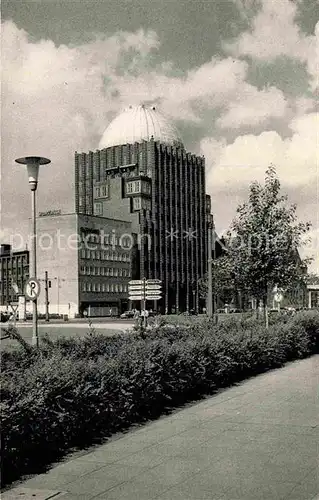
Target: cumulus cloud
point(58, 99)
point(232, 167)
point(253, 107)
point(274, 32)
point(55, 101)
point(246, 159)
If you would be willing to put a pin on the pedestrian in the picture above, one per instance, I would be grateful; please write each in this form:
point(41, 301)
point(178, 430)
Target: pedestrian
point(136, 314)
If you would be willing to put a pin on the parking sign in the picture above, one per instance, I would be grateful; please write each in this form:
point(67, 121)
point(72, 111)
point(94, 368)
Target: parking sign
point(32, 289)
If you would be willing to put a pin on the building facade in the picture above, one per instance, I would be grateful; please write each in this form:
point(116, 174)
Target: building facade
point(142, 173)
point(89, 264)
point(14, 272)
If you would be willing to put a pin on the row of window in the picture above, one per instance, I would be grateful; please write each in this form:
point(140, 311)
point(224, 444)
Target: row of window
point(105, 255)
point(137, 187)
point(106, 239)
point(14, 263)
point(103, 190)
point(104, 287)
point(14, 272)
point(104, 271)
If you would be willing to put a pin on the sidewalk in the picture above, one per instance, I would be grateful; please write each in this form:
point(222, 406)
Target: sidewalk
point(256, 441)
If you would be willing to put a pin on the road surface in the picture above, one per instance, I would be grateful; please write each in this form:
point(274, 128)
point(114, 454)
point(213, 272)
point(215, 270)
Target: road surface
point(57, 329)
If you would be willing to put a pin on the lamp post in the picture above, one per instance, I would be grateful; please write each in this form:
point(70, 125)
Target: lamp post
point(210, 267)
point(33, 163)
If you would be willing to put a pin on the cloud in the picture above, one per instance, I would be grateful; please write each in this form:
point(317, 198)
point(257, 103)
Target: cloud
point(253, 107)
point(55, 100)
point(232, 167)
point(58, 99)
point(274, 33)
point(246, 159)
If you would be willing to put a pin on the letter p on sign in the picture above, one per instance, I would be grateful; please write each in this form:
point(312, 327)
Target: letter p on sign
point(32, 289)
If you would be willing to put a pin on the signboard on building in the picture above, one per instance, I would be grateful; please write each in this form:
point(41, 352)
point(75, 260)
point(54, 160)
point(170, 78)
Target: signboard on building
point(50, 213)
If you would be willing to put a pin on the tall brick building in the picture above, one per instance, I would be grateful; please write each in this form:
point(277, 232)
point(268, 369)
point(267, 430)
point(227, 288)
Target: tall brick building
point(142, 174)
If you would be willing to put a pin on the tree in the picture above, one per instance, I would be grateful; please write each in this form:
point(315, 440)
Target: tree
point(223, 280)
point(262, 246)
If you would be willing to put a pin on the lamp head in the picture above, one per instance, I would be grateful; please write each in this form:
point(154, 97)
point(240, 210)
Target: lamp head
point(33, 163)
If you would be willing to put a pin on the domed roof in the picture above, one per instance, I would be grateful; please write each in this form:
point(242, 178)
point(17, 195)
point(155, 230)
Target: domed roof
point(137, 124)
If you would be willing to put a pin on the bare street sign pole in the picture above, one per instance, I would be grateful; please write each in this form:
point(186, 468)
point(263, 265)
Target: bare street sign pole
point(144, 304)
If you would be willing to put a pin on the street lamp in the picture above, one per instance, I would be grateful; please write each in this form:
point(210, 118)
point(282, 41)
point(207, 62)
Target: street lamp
point(33, 163)
point(210, 305)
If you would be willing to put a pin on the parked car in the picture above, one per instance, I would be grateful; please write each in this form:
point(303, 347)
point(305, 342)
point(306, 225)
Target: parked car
point(273, 311)
point(127, 315)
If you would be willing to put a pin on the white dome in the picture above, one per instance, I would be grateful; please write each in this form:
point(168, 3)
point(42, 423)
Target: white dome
point(137, 124)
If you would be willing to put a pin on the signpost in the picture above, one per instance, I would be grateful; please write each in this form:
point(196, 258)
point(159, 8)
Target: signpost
point(144, 290)
point(14, 308)
point(21, 308)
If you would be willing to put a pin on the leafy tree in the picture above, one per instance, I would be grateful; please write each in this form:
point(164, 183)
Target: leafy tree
point(223, 280)
point(262, 246)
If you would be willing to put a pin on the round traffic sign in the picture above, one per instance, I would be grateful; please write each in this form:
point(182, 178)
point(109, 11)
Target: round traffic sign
point(32, 289)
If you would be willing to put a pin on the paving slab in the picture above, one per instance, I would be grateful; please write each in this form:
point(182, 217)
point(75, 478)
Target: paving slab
point(29, 494)
point(258, 440)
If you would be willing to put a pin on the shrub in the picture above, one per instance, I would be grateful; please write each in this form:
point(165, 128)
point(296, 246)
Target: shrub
point(74, 391)
point(309, 321)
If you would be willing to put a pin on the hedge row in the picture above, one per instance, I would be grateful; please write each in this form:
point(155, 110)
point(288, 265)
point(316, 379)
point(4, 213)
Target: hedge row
point(74, 391)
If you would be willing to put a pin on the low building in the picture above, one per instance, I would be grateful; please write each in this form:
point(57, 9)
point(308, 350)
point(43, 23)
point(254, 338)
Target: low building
point(14, 272)
point(313, 296)
point(89, 264)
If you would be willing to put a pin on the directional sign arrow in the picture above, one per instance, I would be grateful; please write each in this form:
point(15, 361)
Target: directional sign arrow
point(135, 287)
point(135, 297)
point(153, 282)
point(153, 297)
point(153, 287)
point(136, 282)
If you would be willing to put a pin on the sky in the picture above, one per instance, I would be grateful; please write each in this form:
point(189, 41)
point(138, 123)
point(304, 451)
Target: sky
point(239, 78)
